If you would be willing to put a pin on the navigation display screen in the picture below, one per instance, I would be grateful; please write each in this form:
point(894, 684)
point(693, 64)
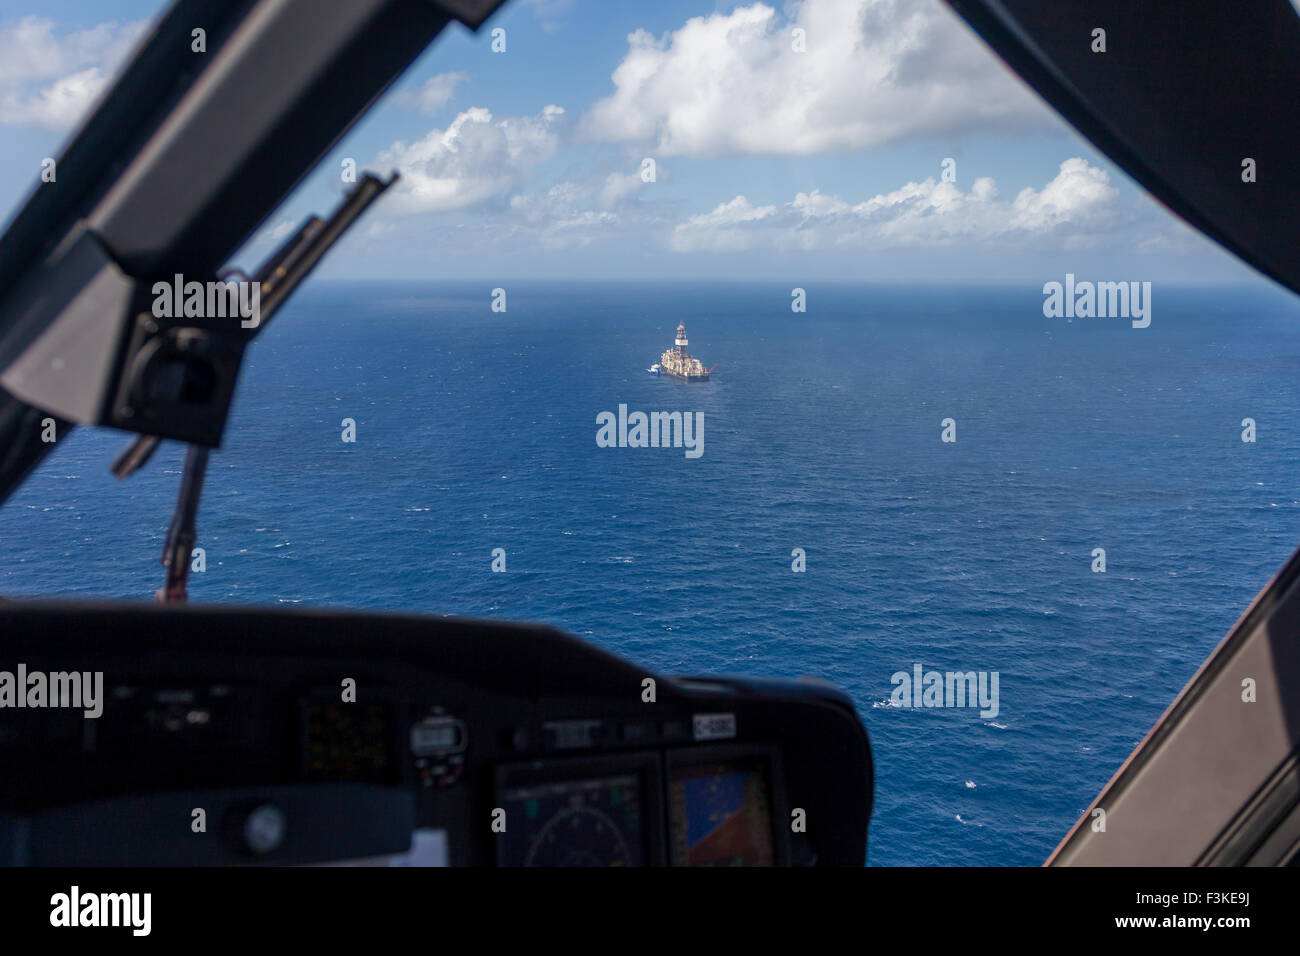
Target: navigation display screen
point(591, 822)
point(721, 814)
point(350, 742)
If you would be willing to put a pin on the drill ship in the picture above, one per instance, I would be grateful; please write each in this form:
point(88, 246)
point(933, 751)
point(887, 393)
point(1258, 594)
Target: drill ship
point(676, 363)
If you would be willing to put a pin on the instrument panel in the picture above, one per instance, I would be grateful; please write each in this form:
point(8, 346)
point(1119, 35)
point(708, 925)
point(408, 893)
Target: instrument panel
point(316, 737)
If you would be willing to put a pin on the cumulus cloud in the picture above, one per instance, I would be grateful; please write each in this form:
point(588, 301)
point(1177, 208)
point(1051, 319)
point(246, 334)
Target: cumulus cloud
point(435, 93)
point(726, 229)
point(557, 224)
point(1078, 188)
point(475, 159)
point(872, 72)
point(619, 186)
point(1075, 208)
point(50, 80)
point(575, 214)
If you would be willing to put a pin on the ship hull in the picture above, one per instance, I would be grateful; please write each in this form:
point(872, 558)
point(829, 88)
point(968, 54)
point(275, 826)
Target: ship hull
point(684, 378)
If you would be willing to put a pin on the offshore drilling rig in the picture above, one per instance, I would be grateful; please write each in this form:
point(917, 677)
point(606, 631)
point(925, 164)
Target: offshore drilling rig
point(678, 364)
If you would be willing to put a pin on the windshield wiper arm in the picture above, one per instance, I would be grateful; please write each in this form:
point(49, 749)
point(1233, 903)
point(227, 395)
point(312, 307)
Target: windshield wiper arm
point(283, 272)
point(181, 162)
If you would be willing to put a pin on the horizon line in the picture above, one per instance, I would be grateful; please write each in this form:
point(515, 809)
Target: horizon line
point(1261, 283)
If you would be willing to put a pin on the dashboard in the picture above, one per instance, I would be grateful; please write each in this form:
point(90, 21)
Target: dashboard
point(143, 735)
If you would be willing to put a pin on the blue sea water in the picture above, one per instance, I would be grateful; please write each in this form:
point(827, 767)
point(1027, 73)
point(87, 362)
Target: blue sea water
point(476, 430)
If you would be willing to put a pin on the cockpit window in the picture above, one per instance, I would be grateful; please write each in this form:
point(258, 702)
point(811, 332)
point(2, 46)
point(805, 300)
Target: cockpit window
point(734, 338)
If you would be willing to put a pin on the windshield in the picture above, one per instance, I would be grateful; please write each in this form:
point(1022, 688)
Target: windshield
point(734, 339)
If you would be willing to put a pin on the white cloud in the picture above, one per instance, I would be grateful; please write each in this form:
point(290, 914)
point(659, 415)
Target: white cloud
point(558, 202)
point(874, 72)
point(49, 80)
point(562, 217)
point(1078, 187)
point(435, 93)
point(619, 186)
point(720, 230)
point(1075, 208)
point(475, 159)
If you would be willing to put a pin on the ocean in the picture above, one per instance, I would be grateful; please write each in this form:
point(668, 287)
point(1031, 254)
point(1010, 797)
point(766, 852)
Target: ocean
point(476, 430)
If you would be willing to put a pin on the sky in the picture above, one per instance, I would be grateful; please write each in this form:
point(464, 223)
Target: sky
point(675, 139)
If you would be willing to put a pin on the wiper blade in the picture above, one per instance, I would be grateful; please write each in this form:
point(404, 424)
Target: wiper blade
point(183, 531)
point(283, 272)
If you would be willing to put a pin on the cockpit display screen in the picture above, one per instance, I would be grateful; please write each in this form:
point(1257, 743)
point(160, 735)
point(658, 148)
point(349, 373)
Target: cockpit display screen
point(720, 814)
point(350, 742)
point(580, 822)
